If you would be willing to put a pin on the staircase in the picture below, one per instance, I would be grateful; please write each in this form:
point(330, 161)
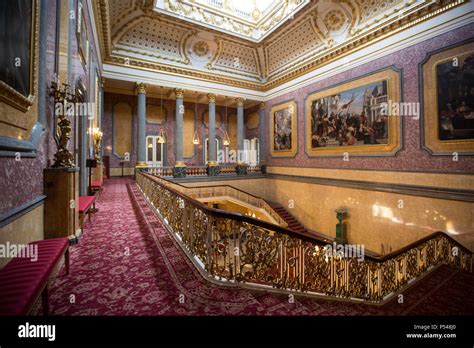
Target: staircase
point(293, 224)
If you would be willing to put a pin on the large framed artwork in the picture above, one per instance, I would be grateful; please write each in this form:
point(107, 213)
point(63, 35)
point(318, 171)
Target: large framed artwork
point(283, 130)
point(19, 25)
point(355, 118)
point(82, 36)
point(448, 101)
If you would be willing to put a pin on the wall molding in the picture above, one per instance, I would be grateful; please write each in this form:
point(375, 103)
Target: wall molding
point(411, 190)
point(18, 212)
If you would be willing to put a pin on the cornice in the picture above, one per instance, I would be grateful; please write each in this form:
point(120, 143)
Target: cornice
point(359, 39)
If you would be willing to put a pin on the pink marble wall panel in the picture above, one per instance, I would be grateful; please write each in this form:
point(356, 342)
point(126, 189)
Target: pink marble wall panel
point(22, 181)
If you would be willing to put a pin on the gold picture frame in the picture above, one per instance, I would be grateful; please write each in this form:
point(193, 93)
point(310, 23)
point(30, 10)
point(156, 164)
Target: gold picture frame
point(284, 136)
point(436, 121)
point(82, 36)
point(9, 94)
point(382, 132)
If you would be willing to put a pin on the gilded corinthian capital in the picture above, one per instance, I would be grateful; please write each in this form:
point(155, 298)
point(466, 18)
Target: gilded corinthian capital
point(239, 101)
point(140, 88)
point(211, 97)
point(179, 92)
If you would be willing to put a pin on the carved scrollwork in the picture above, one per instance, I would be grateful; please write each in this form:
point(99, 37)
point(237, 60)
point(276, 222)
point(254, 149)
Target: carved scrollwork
point(240, 251)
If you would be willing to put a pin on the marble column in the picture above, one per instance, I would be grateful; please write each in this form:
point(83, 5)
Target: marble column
point(102, 111)
point(212, 165)
point(141, 128)
point(261, 113)
point(179, 170)
point(241, 167)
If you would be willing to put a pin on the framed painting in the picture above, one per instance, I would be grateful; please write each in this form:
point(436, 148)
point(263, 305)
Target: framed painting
point(355, 117)
point(82, 36)
point(448, 101)
point(283, 129)
point(19, 55)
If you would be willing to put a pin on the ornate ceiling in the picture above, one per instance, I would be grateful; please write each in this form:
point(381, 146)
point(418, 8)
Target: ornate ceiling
point(137, 34)
point(249, 19)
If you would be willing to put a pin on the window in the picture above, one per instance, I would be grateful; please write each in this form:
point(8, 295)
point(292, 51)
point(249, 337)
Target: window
point(154, 152)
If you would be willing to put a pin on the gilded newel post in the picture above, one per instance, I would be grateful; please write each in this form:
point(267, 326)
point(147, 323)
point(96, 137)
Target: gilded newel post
point(141, 129)
point(179, 170)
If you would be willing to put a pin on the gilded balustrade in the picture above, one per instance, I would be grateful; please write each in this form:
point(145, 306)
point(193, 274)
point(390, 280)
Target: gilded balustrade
point(238, 249)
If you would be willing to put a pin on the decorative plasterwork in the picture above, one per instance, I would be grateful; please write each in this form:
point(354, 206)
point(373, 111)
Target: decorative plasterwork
point(234, 58)
point(228, 16)
point(370, 9)
point(295, 43)
point(321, 32)
point(153, 38)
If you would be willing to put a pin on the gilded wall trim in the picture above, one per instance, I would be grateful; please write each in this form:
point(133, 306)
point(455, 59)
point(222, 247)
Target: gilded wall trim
point(411, 190)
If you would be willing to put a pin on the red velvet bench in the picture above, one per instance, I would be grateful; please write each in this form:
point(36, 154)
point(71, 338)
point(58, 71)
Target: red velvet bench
point(23, 280)
point(97, 186)
point(86, 206)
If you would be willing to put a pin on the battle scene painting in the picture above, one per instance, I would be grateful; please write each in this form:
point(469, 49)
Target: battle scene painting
point(351, 118)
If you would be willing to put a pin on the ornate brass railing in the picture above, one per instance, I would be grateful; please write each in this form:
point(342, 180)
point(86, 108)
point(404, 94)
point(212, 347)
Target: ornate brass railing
point(199, 192)
point(232, 248)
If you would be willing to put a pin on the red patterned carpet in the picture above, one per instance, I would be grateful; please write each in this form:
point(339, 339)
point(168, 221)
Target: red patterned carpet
point(127, 264)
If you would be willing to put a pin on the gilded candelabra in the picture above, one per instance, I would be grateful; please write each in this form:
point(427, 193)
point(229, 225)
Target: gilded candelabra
point(97, 137)
point(64, 105)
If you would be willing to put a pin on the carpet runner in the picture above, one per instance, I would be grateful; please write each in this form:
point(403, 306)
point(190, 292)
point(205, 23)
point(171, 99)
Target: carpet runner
point(128, 264)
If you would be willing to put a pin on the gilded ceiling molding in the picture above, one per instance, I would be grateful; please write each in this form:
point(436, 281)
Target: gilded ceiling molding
point(359, 42)
point(102, 7)
point(149, 51)
point(360, 35)
point(129, 10)
point(355, 16)
point(141, 64)
point(238, 55)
